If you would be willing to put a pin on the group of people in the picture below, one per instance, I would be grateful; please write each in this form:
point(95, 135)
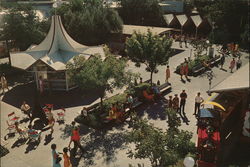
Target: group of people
point(178, 104)
point(75, 138)
point(118, 110)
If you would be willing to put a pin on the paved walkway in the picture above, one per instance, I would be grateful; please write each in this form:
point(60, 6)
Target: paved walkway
point(107, 148)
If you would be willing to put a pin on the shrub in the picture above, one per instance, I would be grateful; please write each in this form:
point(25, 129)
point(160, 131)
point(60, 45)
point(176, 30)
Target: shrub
point(137, 90)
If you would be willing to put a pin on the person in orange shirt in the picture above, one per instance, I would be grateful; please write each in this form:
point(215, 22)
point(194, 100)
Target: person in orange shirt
point(167, 74)
point(66, 158)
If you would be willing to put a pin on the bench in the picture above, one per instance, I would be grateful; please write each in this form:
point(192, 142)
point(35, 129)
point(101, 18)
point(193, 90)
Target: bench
point(135, 104)
point(164, 87)
point(198, 69)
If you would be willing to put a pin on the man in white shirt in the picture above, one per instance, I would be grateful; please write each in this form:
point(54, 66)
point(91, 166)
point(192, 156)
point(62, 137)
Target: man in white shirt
point(198, 101)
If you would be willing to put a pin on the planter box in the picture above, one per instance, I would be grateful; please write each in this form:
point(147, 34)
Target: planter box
point(199, 69)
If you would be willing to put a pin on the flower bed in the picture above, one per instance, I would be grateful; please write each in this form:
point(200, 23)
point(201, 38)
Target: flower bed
point(96, 117)
point(196, 67)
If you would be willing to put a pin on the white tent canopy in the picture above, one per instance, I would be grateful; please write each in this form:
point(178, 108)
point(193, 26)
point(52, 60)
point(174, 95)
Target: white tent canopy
point(55, 50)
point(237, 81)
point(197, 20)
point(168, 18)
point(182, 19)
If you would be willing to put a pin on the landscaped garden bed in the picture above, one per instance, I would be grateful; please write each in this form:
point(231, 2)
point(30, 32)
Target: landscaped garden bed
point(199, 65)
point(97, 118)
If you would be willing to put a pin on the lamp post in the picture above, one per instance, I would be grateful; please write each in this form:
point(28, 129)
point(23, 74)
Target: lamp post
point(210, 77)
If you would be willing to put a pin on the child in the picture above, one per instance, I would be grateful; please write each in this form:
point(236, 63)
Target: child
point(66, 158)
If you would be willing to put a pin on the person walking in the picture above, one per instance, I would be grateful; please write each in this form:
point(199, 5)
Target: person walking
point(238, 63)
point(183, 97)
point(75, 137)
point(198, 101)
point(182, 70)
point(232, 65)
point(55, 156)
point(66, 158)
point(186, 69)
point(222, 60)
point(170, 102)
point(4, 83)
point(176, 103)
point(167, 74)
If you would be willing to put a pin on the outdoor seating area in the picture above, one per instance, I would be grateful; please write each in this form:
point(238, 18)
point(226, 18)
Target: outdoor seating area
point(119, 110)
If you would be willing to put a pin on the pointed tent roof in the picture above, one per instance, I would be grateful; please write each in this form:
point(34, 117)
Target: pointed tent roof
point(168, 18)
point(55, 50)
point(197, 20)
point(182, 19)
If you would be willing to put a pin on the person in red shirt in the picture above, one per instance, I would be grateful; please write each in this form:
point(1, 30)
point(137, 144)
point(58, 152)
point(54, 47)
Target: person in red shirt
point(75, 137)
point(186, 70)
point(182, 71)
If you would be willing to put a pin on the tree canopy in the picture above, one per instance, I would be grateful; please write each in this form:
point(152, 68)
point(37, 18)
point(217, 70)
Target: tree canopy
point(141, 12)
point(22, 26)
point(89, 21)
point(230, 18)
point(149, 49)
point(99, 75)
point(162, 148)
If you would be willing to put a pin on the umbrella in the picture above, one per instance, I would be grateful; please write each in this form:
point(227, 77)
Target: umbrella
point(215, 104)
point(205, 113)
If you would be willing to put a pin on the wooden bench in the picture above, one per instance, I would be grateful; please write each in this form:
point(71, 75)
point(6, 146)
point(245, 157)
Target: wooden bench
point(135, 104)
point(198, 69)
point(164, 87)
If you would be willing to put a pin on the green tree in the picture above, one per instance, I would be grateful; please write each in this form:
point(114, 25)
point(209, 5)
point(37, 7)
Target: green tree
point(230, 18)
point(161, 148)
point(99, 75)
point(141, 12)
point(23, 27)
point(149, 49)
point(89, 21)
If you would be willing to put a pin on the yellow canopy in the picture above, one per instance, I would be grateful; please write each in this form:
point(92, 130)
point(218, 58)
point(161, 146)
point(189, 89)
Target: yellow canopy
point(215, 104)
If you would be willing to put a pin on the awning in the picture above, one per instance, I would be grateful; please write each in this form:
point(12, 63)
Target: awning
point(197, 20)
point(237, 81)
point(182, 19)
point(130, 29)
point(168, 18)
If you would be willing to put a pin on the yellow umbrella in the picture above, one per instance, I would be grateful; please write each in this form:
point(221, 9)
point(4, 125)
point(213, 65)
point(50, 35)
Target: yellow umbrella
point(215, 104)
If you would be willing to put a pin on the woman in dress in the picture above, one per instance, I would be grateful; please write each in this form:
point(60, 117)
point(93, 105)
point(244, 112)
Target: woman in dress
point(55, 156)
point(66, 158)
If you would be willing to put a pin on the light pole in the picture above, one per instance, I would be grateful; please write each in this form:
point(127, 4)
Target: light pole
point(210, 76)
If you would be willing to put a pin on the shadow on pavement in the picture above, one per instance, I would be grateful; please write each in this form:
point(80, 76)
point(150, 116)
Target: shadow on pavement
point(154, 111)
point(31, 146)
point(19, 142)
point(99, 141)
point(60, 99)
